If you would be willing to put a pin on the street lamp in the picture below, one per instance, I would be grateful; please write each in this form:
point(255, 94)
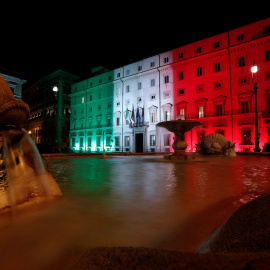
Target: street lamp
point(254, 70)
point(55, 90)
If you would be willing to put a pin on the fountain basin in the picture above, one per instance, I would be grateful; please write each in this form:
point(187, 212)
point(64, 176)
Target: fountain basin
point(179, 128)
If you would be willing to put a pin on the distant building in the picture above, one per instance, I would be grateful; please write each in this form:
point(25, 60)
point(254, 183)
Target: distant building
point(209, 80)
point(14, 80)
point(50, 110)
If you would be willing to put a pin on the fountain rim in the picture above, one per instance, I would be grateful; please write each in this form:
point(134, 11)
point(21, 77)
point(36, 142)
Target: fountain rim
point(179, 121)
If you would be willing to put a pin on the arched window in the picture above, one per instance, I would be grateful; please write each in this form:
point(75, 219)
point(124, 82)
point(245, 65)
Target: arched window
point(200, 105)
point(219, 105)
point(244, 101)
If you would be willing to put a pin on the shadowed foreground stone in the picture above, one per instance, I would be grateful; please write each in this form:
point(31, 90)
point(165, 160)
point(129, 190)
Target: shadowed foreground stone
point(144, 258)
point(246, 230)
point(242, 242)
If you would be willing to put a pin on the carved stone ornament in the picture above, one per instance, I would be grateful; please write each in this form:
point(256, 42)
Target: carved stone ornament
point(12, 112)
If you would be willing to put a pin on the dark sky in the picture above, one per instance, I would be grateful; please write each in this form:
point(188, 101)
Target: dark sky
point(40, 40)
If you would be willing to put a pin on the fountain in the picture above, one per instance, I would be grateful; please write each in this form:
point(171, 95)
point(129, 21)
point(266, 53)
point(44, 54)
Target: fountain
point(23, 177)
point(179, 128)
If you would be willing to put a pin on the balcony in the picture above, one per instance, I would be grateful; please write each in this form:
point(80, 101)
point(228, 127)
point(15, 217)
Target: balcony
point(206, 115)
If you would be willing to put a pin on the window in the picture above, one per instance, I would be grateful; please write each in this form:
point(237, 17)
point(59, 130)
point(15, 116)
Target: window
point(117, 141)
point(153, 117)
point(217, 67)
point(98, 142)
point(152, 97)
point(199, 71)
point(243, 80)
point(241, 61)
point(240, 37)
point(182, 112)
point(166, 94)
point(100, 81)
point(199, 50)
point(246, 136)
point(180, 55)
point(181, 75)
point(139, 85)
point(89, 141)
point(216, 44)
point(118, 91)
point(153, 82)
point(108, 140)
point(267, 55)
point(219, 103)
point(266, 30)
point(181, 92)
point(99, 122)
point(167, 115)
point(217, 85)
point(219, 110)
point(199, 88)
point(127, 141)
point(139, 68)
point(118, 75)
point(267, 75)
point(244, 100)
point(166, 79)
point(90, 98)
point(73, 142)
point(118, 121)
point(99, 107)
point(152, 64)
point(167, 139)
point(166, 60)
point(127, 89)
point(127, 72)
point(201, 112)
point(81, 142)
point(244, 106)
point(152, 140)
point(82, 99)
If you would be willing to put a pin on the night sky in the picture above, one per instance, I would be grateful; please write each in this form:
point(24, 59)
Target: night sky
point(38, 41)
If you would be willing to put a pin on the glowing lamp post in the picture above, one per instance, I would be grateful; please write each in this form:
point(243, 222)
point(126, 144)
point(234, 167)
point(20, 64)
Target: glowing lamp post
point(254, 70)
point(55, 90)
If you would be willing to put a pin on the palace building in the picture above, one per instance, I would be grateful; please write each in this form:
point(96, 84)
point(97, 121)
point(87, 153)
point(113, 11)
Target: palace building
point(208, 81)
point(49, 104)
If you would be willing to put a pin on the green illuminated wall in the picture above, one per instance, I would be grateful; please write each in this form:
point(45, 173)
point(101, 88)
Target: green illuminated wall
point(91, 121)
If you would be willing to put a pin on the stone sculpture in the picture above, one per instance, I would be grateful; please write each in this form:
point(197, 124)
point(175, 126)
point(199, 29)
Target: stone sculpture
point(215, 144)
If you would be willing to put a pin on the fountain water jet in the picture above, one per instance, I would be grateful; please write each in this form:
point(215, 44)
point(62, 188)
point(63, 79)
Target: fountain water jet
point(179, 128)
point(23, 176)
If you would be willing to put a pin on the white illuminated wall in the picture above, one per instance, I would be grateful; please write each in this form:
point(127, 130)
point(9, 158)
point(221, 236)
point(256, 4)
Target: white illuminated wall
point(137, 88)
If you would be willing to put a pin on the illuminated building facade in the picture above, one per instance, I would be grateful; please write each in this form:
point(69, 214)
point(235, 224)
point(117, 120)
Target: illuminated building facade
point(209, 80)
point(50, 110)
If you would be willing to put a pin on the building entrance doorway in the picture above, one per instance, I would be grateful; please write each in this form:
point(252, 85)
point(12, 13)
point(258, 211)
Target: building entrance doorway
point(139, 142)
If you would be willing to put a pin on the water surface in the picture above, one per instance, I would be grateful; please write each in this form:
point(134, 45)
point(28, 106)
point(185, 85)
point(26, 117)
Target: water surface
point(171, 205)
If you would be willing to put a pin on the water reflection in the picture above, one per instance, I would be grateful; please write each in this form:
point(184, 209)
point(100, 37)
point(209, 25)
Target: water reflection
point(155, 201)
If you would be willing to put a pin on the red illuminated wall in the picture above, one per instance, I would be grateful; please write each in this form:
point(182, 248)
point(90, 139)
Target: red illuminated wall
point(212, 77)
